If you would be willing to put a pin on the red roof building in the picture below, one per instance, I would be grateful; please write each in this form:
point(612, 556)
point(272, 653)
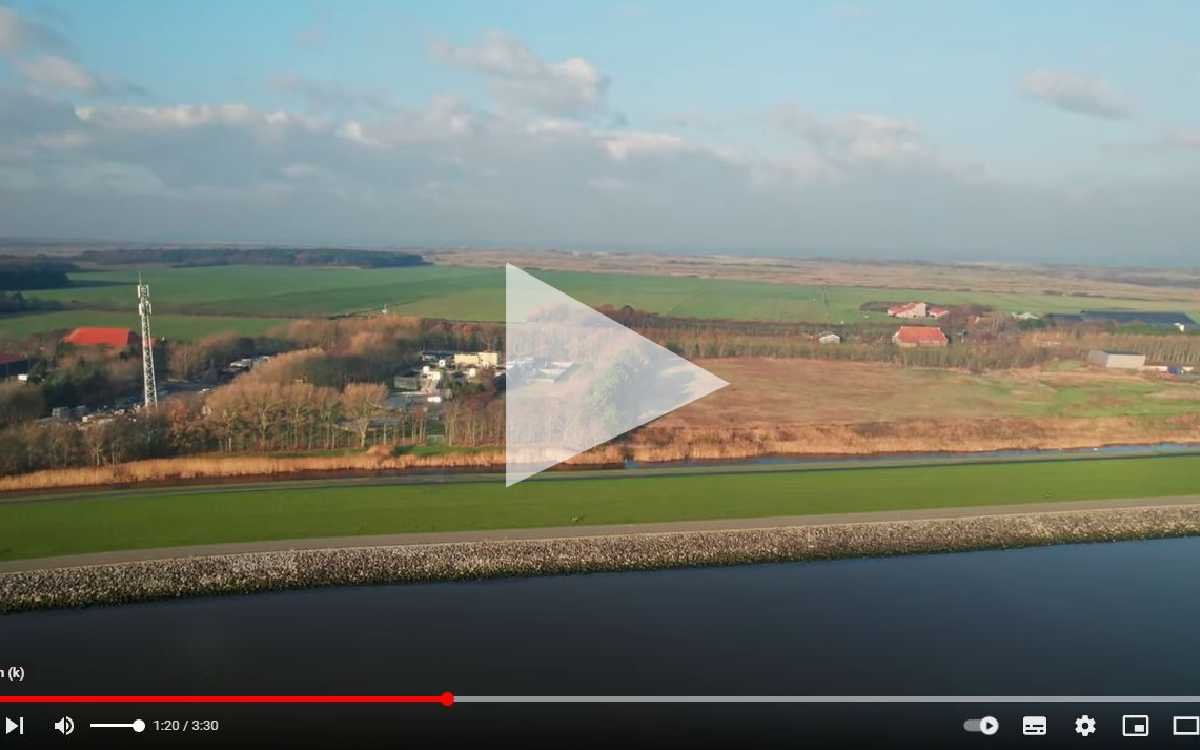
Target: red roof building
point(937, 312)
point(119, 338)
point(911, 336)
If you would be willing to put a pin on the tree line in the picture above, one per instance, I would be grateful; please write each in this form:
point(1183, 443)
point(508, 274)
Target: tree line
point(253, 256)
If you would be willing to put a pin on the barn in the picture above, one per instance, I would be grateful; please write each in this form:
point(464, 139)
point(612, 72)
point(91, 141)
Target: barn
point(909, 310)
point(909, 337)
point(118, 338)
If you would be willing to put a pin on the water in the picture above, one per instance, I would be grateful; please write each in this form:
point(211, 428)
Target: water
point(1156, 449)
point(1086, 619)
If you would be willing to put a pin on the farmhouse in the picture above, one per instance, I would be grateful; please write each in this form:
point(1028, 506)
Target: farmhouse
point(909, 337)
point(908, 311)
point(477, 359)
point(917, 311)
point(829, 338)
point(118, 338)
point(1117, 360)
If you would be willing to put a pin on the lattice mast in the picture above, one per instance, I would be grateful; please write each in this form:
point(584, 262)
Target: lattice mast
point(149, 386)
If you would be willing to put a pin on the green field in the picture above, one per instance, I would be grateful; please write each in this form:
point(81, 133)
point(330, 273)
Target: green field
point(116, 521)
point(248, 292)
point(172, 326)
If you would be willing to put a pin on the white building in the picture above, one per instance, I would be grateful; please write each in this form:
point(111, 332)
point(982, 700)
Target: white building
point(1117, 360)
point(909, 311)
point(477, 359)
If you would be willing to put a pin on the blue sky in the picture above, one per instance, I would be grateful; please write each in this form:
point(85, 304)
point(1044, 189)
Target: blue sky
point(1064, 131)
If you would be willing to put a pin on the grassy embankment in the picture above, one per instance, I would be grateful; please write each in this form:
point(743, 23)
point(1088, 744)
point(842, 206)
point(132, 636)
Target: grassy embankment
point(145, 519)
point(241, 297)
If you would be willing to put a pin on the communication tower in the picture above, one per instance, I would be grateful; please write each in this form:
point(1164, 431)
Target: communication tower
point(149, 386)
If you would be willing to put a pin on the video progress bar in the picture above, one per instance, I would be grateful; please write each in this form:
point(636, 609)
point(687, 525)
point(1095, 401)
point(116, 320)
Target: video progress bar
point(449, 699)
point(827, 698)
point(445, 699)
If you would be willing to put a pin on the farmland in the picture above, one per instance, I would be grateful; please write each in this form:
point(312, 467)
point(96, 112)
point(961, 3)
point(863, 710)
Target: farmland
point(164, 518)
point(241, 298)
point(169, 325)
point(792, 407)
point(771, 391)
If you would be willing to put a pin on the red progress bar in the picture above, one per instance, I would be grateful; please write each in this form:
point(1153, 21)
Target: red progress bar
point(446, 699)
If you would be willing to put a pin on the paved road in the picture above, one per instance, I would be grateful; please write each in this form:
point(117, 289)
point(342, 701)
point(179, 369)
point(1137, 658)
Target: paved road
point(561, 532)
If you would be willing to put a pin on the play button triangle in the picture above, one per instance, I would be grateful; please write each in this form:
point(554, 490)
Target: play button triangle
point(576, 379)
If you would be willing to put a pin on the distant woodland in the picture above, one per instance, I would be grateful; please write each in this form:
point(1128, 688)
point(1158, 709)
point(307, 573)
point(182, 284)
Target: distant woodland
point(266, 256)
point(33, 273)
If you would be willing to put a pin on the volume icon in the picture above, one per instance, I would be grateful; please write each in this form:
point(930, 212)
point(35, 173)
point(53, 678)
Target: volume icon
point(65, 725)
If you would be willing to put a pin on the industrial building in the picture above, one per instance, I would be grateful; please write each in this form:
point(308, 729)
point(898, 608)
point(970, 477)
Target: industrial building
point(1117, 360)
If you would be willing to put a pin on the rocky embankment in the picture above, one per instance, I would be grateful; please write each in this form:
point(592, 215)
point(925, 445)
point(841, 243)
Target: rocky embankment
point(245, 573)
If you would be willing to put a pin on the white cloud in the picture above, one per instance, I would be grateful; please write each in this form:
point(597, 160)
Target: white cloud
point(18, 34)
point(52, 70)
point(37, 52)
point(185, 116)
point(68, 139)
point(839, 147)
point(623, 145)
point(536, 171)
point(331, 96)
point(1075, 92)
point(520, 78)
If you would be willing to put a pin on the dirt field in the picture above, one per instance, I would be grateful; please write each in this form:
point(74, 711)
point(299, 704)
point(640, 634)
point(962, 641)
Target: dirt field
point(765, 392)
point(810, 406)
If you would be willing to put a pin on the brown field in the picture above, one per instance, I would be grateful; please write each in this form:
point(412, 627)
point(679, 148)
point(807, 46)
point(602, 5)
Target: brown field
point(822, 407)
point(773, 392)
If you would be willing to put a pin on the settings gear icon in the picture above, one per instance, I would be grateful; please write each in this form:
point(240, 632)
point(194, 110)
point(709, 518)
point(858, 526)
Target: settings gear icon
point(1085, 725)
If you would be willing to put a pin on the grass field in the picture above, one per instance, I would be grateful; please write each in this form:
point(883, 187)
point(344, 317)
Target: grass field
point(460, 293)
point(172, 326)
point(183, 517)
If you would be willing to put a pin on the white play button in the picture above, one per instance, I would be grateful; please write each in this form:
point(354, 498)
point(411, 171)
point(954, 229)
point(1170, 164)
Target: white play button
point(576, 379)
point(11, 726)
point(989, 725)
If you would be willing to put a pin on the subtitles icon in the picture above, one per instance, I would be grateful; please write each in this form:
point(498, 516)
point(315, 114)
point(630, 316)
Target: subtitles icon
point(1033, 725)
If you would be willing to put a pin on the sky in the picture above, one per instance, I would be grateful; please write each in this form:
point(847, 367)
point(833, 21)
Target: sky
point(1062, 132)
